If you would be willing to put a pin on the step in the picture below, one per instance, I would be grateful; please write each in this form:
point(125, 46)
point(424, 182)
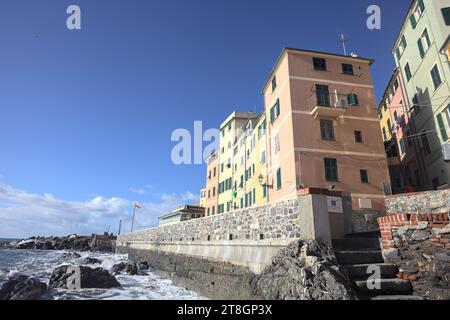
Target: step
point(359, 235)
point(396, 297)
point(358, 257)
point(387, 287)
point(356, 244)
point(359, 271)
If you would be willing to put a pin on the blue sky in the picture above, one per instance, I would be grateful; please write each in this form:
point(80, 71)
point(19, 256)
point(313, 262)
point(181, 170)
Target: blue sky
point(86, 116)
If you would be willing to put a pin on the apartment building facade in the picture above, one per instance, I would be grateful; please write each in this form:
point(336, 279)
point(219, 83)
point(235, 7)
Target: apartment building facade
point(323, 128)
point(421, 54)
point(211, 192)
point(230, 130)
point(406, 163)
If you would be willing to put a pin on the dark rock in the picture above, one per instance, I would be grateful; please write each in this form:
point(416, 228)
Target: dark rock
point(119, 267)
point(90, 260)
point(70, 255)
point(26, 244)
point(420, 235)
point(143, 266)
point(22, 287)
point(80, 277)
point(305, 270)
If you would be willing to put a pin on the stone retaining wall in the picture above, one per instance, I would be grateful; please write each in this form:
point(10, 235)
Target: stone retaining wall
point(420, 202)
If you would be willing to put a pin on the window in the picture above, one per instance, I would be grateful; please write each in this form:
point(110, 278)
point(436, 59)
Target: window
point(401, 142)
point(358, 137)
point(401, 48)
point(364, 176)
point(214, 191)
point(279, 179)
point(242, 203)
point(213, 210)
point(323, 95)
point(408, 72)
point(389, 125)
point(264, 191)
point(384, 134)
point(263, 157)
point(320, 64)
point(442, 130)
point(277, 143)
point(446, 15)
point(331, 169)
point(228, 206)
point(209, 211)
point(396, 85)
point(275, 111)
point(214, 170)
point(327, 130)
point(347, 69)
point(436, 77)
point(424, 43)
point(254, 195)
point(417, 14)
point(447, 114)
point(425, 143)
point(274, 83)
point(395, 116)
point(352, 99)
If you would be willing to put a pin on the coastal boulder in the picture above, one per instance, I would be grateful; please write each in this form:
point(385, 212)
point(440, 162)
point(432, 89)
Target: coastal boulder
point(22, 287)
point(305, 270)
point(128, 268)
point(89, 260)
point(70, 255)
point(81, 277)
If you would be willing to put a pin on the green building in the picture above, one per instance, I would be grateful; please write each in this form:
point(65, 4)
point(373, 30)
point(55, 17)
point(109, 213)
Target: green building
point(420, 51)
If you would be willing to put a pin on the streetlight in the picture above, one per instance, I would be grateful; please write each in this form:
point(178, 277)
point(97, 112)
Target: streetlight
point(261, 182)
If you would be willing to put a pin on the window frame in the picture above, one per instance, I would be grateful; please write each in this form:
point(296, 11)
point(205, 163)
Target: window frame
point(364, 176)
point(436, 65)
point(319, 67)
point(335, 177)
point(327, 130)
point(352, 73)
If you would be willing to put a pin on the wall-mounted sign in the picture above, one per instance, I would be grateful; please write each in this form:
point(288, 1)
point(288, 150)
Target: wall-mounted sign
point(446, 151)
point(335, 205)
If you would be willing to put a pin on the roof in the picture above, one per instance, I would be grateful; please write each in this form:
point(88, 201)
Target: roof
point(320, 53)
point(181, 210)
point(238, 115)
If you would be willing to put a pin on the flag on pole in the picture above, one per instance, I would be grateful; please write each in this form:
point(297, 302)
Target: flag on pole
point(137, 206)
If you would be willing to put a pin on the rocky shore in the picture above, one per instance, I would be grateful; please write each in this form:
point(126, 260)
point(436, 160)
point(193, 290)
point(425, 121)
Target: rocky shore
point(71, 242)
point(83, 275)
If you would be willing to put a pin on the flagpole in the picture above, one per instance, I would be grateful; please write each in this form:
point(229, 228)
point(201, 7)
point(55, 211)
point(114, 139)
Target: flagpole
point(132, 222)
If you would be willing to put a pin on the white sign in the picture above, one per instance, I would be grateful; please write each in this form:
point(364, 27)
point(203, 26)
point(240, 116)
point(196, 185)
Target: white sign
point(335, 204)
point(446, 152)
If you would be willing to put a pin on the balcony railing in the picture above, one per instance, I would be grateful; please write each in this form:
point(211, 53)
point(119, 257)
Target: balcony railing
point(325, 104)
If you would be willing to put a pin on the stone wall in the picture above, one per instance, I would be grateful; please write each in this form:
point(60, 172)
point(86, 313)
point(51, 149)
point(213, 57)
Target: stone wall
point(249, 237)
point(420, 202)
point(420, 245)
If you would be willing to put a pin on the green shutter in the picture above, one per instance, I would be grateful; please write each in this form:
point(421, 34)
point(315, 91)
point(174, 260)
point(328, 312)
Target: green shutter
point(421, 50)
point(404, 42)
point(279, 179)
point(277, 108)
point(421, 5)
point(442, 127)
point(397, 53)
point(412, 18)
point(272, 116)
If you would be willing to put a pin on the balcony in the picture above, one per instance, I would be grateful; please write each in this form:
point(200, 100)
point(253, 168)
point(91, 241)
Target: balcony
point(328, 105)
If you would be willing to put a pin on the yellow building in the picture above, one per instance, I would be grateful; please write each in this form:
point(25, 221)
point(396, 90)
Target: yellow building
point(229, 132)
point(203, 197)
point(251, 165)
point(384, 114)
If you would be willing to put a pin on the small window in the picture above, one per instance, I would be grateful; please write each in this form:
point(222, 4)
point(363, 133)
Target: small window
point(327, 129)
point(279, 179)
point(408, 72)
point(424, 43)
point(446, 15)
point(364, 176)
point(320, 64)
point(331, 169)
point(436, 77)
point(230, 237)
point(274, 83)
point(384, 134)
point(275, 111)
point(261, 236)
point(353, 99)
point(347, 69)
point(277, 143)
point(209, 238)
point(358, 137)
point(442, 129)
point(401, 142)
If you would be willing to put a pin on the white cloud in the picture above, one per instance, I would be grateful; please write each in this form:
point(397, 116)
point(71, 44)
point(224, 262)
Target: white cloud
point(24, 214)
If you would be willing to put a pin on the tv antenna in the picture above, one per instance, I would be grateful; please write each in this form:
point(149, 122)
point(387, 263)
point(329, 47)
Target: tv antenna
point(343, 41)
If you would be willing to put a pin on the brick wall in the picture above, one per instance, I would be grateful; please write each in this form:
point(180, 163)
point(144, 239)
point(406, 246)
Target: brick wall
point(392, 227)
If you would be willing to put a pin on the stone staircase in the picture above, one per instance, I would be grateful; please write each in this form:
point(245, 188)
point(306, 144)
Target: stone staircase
point(357, 253)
